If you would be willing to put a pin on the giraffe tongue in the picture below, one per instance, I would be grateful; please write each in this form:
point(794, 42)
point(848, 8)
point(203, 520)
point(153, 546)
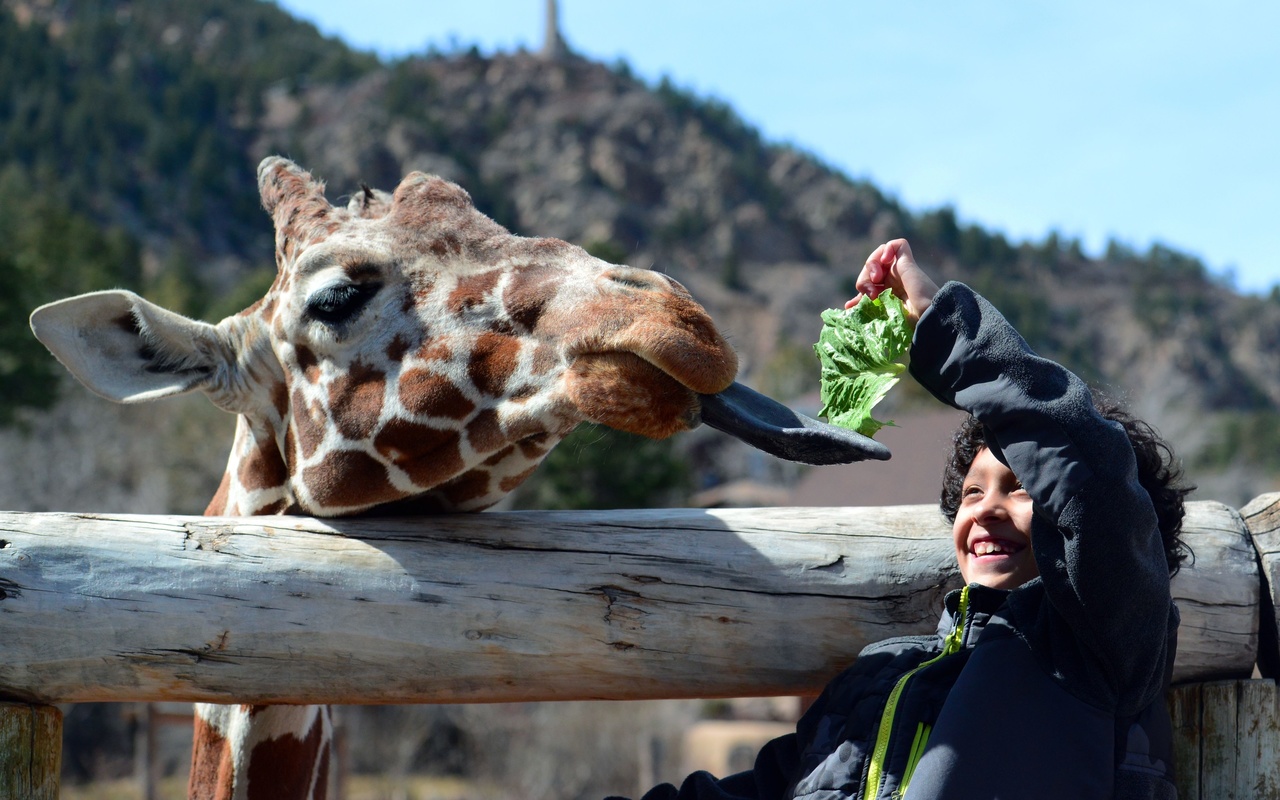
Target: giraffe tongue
point(770, 426)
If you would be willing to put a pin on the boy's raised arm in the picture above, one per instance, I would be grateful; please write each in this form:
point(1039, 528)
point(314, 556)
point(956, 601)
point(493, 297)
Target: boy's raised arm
point(1095, 534)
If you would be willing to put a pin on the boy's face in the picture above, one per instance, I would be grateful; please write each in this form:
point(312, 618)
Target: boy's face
point(992, 531)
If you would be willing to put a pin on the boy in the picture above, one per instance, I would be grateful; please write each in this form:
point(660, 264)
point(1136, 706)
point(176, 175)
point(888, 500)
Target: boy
point(1047, 676)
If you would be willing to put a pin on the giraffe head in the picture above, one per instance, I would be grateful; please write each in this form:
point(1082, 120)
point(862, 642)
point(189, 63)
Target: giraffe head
point(410, 350)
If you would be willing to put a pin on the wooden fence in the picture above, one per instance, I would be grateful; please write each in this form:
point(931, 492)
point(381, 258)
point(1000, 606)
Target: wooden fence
point(554, 606)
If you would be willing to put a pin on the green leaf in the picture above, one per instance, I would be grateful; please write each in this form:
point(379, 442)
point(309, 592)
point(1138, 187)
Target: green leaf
point(859, 351)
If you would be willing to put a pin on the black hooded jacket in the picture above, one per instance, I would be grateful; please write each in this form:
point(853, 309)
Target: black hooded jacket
point(1051, 690)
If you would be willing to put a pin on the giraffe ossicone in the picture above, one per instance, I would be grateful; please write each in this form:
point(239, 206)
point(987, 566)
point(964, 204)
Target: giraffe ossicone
point(413, 355)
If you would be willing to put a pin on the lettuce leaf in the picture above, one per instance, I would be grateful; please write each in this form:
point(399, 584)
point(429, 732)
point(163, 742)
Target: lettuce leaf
point(859, 351)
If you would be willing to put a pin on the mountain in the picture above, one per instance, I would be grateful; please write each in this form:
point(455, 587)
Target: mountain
point(130, 134)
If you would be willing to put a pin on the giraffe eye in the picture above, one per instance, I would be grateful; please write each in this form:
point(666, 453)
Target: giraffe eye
point(340, 302)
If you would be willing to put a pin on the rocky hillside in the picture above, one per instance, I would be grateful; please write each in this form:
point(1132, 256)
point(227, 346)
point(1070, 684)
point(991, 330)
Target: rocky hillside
point(140, 123)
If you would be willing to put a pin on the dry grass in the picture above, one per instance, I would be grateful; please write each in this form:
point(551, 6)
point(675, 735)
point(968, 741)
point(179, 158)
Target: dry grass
point(124, 789)
point(418, 787)
point(359, 787)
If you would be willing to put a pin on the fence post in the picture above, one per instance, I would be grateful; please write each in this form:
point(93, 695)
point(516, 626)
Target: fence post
point(1184, 713)
point(1227, 740)
point(30, 751)
point(1227, 733)
point(1262, 517)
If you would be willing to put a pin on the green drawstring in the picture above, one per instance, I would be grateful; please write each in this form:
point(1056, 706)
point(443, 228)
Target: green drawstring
point(875, 770)
point(917, 750)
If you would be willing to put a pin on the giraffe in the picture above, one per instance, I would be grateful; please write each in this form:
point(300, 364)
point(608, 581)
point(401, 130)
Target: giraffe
point(411, 356)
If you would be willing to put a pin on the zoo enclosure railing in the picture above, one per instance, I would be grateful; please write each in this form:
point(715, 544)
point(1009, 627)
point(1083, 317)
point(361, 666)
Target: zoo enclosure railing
point(528, 606)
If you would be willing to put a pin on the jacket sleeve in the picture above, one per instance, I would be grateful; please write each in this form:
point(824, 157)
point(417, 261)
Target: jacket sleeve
point(1094, 532)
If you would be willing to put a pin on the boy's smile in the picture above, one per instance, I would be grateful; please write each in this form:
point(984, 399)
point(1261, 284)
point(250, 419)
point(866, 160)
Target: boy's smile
point(992, 531)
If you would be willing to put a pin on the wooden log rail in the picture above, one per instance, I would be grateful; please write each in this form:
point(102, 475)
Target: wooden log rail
point(524, 605)
point(535, 606)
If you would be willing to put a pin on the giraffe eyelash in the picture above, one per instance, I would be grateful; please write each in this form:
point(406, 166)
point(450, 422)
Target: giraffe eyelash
point(340, 302)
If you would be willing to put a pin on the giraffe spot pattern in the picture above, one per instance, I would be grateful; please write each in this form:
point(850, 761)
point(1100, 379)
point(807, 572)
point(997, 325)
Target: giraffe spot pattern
point(510, 483)
point(445, 245)
point(212, 770)
point(523, 392)
point(427, 393)
point(279, 766)
point(290, 446)
point(309, 424)
point(262, 468)
point(507, 469)
point(409, 298)
point(552, 423)
point(429, 456)
point(484, 432)
point(436, 350)
point(494, 358)
point(356, 397)
point(218, 505)
point(544, 249)
point(280, 398)
point(279, 506)
point(347, 478)
point(545, 358)
point(536, 446)
point(528, 294)
point(442, 466)
point(398, 348)
point(469, 486)
point(307, 362)
point(472, 291)
point(500, 456)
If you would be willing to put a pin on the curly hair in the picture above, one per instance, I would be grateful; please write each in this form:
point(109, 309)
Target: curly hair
point(1158, 472)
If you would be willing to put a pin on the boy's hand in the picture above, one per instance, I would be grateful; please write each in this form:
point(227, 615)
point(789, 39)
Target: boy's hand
point(891, 266)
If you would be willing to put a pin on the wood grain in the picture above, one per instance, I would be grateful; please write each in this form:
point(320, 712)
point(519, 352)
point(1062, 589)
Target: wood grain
point(509, 606)
point(1227, 740)
point(30, 751)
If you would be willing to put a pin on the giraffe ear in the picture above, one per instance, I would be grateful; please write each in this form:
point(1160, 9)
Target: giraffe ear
point(128, 349)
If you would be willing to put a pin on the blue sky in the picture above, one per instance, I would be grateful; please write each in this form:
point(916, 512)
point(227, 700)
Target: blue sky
point(1140, 121)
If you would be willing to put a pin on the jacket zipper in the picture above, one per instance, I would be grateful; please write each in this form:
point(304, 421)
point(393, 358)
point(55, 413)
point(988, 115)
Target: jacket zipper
point(875, 773)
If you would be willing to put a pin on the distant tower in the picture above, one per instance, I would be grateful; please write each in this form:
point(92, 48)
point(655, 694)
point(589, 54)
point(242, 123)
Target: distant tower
point(553, 46)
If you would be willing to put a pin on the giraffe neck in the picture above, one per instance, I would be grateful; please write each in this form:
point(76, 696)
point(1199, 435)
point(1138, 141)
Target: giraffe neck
point(258, 752)
point(256, 481)
point(253, 752)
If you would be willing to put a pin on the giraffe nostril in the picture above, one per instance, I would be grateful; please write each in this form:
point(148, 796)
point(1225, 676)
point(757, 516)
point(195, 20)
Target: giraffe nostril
point(632, 278)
